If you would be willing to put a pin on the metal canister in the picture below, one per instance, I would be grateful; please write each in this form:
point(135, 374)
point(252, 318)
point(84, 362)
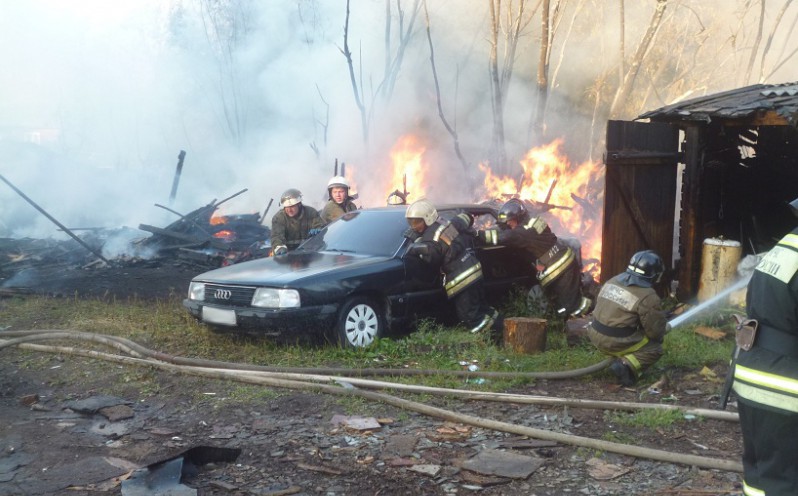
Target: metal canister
point(719, 261)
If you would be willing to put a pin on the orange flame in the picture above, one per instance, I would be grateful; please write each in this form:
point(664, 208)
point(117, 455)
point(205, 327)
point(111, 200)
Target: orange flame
point(225, 235)
point(574, 194)
point(407, 156)
point(215, 220)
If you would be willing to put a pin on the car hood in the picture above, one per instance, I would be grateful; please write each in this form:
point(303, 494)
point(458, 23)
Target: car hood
point(288, 269)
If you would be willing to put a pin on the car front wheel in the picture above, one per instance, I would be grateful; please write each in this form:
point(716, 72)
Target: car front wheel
point(360, 323)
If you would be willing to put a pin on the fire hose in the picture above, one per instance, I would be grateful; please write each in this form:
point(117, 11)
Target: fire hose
point(290, 378)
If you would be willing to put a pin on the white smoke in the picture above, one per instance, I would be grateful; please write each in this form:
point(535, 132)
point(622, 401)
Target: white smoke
point(99, 97)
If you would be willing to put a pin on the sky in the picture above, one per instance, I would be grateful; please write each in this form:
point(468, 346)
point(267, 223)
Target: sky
point(98, 98)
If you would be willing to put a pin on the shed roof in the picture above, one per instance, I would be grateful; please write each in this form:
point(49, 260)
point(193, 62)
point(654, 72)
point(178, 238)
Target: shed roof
point(762, 104)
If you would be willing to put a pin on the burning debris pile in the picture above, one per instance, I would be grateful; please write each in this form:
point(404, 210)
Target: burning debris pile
point(199, 240)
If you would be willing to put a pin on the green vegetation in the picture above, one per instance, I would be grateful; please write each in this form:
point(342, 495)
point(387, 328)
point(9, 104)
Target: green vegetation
point(165, 326)
point(650, 419)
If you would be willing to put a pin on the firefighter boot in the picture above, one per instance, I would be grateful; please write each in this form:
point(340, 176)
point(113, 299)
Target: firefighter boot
point(623, 373)
point(487, 321)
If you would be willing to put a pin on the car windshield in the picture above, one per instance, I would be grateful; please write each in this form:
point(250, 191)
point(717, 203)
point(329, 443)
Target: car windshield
point(367, 232)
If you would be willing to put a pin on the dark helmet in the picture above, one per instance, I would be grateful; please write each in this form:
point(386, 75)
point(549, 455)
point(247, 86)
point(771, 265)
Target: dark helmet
point(645, 268)
point(513, 209)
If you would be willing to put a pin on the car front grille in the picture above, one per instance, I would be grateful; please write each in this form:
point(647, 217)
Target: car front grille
point(237, 296)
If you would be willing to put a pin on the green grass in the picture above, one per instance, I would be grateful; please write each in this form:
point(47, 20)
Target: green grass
point(650, 419)
point(167, 327)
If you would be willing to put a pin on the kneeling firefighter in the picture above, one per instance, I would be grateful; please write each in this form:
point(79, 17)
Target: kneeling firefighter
point(628, 321)
point(448, 246)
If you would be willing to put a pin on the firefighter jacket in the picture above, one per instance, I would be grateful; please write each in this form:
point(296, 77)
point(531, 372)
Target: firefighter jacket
point(332, 210)
point(552, 256)
point(622, 310)
point(290, 232)
point(451, 247)
point(766, 376)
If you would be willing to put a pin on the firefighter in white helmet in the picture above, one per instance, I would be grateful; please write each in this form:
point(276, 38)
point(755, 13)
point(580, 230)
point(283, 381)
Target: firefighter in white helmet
point(339, 201)
point(448, 246)
point(293, 223)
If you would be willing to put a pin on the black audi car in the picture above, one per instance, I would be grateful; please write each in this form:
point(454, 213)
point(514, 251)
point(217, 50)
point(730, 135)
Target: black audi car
point(351, 283)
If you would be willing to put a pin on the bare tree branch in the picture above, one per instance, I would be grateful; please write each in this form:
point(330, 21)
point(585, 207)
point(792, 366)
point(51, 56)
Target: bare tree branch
point(451, 129)
point(358, 101)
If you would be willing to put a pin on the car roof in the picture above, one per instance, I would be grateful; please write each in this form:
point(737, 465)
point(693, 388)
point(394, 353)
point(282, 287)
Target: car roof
point(476, 208)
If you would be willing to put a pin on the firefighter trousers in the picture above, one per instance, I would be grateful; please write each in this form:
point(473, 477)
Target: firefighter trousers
point(637, 351)
point(470, 305)
point(769, 440)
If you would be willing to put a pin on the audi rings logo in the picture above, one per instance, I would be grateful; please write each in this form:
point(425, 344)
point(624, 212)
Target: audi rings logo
point(222, 294)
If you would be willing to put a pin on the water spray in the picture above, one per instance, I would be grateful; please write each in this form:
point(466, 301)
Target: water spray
point(681, 319)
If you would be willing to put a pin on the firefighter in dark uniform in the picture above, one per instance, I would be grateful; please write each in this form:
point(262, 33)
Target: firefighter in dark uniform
point(294, 223)
point(558, 265)
point(448, 246)
point(339, 202)
point(628, 321)
point(766, 376)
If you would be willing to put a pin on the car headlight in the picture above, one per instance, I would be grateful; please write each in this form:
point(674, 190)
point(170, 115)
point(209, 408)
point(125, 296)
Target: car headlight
point(196, 291)
point(275, 298)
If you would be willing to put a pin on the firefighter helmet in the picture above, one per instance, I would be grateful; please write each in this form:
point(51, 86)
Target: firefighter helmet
point(645, 268)
point(422, 209)
point(290, 198)
point(337, 182)
point(513, 209)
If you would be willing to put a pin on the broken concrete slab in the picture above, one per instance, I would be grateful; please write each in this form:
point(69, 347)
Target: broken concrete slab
point(355, 422)
point(426, 469)
point(117, 412)
point(503, 463)
point(95, 403)
point(400, 445)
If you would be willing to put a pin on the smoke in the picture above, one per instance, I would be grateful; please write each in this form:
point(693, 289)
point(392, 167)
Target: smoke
point(99, 98)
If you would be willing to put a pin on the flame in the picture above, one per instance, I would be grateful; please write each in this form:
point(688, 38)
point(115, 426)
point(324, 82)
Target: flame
point(407, 156)
point(215, 220)
point(576, 193)
point(225, 235)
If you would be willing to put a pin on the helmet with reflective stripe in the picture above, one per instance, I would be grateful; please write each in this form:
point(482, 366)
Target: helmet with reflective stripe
point(290, 198)
point(513, 209)
point(422, 209)
point(645, 268)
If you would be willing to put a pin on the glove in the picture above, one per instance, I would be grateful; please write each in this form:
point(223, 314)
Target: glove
point(418, 249)
point(280, 250)
point(410, 234)
point(314, 231)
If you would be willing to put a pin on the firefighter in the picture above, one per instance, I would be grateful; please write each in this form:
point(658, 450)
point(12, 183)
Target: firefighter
point(628, 321)
point(339, 202)
point(766, 376)
point(448, 246)
point(293, 223)
point(558, 265)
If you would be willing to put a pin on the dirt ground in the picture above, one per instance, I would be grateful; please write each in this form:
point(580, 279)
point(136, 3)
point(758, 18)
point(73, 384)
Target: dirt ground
point(59, 436)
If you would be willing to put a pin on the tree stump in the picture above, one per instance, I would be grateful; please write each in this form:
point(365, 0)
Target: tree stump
point(525, 334)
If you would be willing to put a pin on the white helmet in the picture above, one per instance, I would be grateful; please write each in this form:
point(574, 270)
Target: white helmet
point(422, 209)
point(337, 182)
point(290, 198)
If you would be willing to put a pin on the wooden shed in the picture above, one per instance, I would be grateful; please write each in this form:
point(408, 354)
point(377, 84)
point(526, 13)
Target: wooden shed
point(723, 165)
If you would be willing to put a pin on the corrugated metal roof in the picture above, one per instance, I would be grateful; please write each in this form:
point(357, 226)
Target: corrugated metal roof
point(741, 103)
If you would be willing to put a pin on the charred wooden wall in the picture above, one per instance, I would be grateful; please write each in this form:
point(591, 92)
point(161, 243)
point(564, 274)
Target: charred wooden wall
point(640, 193)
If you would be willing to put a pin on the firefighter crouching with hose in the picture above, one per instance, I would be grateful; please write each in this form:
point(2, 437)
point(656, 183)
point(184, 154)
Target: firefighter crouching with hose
point(628, 321)
point(447, 246)
point(766, 372)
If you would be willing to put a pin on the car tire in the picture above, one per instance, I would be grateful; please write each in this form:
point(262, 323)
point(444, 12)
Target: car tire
point(360, 323)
